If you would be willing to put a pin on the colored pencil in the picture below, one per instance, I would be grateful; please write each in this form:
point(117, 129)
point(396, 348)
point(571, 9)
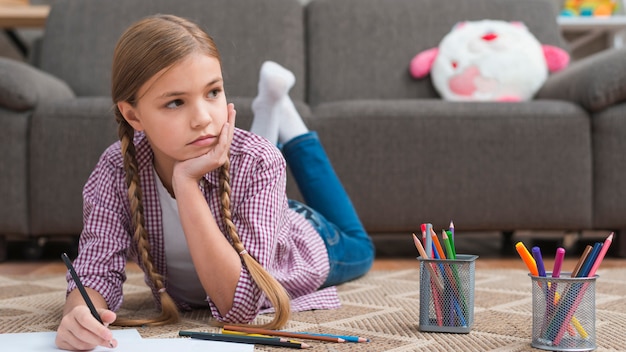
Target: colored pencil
point(600, 257)
point(579, 295)
point(451, 228)
point(553, 297)
point(239, 333)
point(446, 243)
point(430, 268)
point(436, 284)
point(581, 261)
point(348, 338)
point(438, 300)
point(437, 244)
point(251, 330)
point(591, 258)
point(253, 340)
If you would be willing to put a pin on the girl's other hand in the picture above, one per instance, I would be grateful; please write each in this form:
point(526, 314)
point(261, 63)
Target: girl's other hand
point(195, 168)
point(79, 330)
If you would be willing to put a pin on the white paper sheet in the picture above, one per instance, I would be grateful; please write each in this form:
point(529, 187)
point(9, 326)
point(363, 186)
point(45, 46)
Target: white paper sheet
point(128, 340)
point(44, 341)
point(182, 344)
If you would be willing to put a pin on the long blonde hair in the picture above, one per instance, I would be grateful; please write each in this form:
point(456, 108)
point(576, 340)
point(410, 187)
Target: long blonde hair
point(147, 47)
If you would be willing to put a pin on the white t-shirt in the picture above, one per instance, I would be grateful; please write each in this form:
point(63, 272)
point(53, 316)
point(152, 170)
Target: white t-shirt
point(182, 280)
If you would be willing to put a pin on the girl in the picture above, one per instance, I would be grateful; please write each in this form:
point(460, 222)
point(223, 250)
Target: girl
point(199, 204)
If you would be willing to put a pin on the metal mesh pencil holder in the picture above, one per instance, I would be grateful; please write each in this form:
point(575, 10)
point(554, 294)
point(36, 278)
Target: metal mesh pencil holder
point(447, 294)
point(564, 313)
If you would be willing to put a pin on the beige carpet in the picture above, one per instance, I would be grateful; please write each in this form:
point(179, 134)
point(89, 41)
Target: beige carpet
point(383, 305)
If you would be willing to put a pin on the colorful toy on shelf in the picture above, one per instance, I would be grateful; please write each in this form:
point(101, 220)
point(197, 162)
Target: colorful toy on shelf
point(589, 8)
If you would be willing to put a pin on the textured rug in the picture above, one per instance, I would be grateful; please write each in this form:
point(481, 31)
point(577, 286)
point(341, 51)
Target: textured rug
point(383, 306)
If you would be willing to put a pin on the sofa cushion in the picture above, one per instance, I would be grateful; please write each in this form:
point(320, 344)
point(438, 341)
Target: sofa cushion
point(65, 144)
point(487, 166)
point(595, 82)
point(609, 157)
point(14, 175)
point(22, 86)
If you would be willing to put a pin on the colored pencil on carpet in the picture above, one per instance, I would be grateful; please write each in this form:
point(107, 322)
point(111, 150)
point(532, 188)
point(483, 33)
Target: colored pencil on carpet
point(348, 338)
point(253, 340)
point(282, 333)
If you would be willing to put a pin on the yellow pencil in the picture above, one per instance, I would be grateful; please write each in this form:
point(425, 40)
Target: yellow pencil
point(230, 332)
point(575, 321)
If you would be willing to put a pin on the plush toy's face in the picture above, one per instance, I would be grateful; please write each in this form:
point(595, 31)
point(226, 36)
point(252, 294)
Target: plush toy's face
point(489, 61)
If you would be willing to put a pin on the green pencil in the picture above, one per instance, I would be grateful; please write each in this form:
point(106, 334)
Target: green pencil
point(446, 242)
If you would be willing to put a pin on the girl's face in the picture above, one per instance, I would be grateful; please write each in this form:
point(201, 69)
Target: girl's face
point(181, 109)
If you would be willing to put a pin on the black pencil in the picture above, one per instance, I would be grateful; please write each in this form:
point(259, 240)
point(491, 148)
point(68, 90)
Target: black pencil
point(81, 288)
point(254, 340)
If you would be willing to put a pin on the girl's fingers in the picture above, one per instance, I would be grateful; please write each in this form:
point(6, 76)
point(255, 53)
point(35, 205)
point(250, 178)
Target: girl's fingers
point(226, 136)
point(107, 316)
point(232, 114)
point(80, 330)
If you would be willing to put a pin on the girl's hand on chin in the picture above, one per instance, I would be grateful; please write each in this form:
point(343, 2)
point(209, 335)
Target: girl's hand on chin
point(195, 168)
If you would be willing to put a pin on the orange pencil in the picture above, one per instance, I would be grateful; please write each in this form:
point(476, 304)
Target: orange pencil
point(433, 273)
point(442, 255)
point(436, 284)
point(253, 330)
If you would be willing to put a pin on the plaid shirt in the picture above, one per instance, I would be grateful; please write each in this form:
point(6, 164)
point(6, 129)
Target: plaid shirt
point(280, 239)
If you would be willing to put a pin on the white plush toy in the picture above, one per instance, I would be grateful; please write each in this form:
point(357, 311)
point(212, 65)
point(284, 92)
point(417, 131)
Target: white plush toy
point(489, 60)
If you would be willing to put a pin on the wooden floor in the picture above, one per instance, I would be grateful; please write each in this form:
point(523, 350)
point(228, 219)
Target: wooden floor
point(492, 252)
point(57, 267)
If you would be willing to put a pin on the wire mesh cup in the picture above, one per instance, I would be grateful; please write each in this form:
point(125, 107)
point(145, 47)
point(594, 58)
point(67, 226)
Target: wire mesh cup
point(447, 294)
point(564, 313)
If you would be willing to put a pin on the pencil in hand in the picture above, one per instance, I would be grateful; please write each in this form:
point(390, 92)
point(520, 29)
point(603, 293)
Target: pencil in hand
point(82, 291)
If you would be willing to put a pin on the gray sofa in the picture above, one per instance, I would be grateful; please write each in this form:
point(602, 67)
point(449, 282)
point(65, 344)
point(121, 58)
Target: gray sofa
point(404, 155)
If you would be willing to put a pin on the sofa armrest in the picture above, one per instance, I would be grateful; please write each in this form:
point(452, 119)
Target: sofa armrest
point(23, 86)
point(595, 82)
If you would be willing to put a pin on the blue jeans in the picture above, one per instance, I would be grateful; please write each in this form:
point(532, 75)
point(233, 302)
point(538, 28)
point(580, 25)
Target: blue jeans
point(329, 209)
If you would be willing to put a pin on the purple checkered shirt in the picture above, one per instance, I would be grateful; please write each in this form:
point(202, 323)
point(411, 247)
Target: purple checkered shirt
point(280, 239)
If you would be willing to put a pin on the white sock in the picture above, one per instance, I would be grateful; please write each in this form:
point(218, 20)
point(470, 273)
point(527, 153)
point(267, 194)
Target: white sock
point(291, 124)
point(274, 84)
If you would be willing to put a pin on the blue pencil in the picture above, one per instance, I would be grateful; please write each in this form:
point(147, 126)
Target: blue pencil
point(348, 338)
point(584, 270)
point(567, 301)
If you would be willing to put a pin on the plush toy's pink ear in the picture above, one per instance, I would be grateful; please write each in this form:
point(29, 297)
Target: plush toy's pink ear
point(556, 58)
point(422, 63)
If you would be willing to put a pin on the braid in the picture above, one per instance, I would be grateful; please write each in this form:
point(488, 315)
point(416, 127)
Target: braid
point(169, 311)
point(274, 291)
